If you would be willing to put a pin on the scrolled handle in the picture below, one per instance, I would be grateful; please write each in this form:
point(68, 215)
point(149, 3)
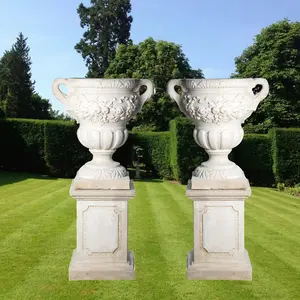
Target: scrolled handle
point(149, 91)
point(260, 89)
point(171, 89)
point(56, 90)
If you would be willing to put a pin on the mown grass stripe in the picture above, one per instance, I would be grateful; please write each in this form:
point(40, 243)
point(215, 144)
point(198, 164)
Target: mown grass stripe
point(260, 238)
point(295, 213)
point(270, 210)
point(278, 200)
point(292, 199)
point(178, 245)
point(20, 190)
point(30, 183)
point(268, 235)
point(264, 285)
point(178, 195)
point(277, 224)
point(11, 203)
point(36, 256)
point(25, 248)
point(37, 283)
point(16, 219)
point(152, 274)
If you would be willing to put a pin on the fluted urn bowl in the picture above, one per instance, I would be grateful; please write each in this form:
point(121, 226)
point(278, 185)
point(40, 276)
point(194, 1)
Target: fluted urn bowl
point(218, 107)
point(102, 107)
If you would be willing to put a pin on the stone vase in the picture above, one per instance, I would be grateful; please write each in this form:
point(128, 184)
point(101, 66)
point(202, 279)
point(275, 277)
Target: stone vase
point(102, 107)
point(218, 108)
point(218, 187)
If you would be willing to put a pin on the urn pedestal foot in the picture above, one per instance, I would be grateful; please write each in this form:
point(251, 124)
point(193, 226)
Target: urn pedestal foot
point(102, 235)
point(219, 252)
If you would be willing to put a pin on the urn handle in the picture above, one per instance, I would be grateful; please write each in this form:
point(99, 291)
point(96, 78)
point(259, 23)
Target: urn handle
point(149, 91)
point(260, 89)
point(56, 90)
point(171, 89)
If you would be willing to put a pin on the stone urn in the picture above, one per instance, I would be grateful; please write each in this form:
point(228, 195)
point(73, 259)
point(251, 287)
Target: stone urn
point(102, 107)
point(218, 108)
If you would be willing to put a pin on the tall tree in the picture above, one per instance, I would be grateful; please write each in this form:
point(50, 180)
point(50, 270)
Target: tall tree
point(275, 55)
point(16, 86)
point(159, 61)
point(107, 24)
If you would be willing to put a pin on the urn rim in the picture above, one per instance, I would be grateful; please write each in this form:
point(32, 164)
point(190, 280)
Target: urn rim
point(221, 83)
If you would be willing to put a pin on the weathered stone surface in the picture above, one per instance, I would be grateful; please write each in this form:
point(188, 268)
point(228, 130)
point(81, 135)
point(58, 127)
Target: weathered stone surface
point(91, 268)
point(218, 107)
point(102, 107)
point(219, 270)
point(109, 184)
point(102, 235)
point(215, 184)
point(219, 252)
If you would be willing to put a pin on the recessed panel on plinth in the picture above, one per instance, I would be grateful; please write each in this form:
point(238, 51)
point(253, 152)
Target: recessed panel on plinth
point(220, 229)
point(100, 229)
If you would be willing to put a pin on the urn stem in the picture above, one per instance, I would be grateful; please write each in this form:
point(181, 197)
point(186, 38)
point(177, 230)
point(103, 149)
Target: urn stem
point(218, 157)
point(104, 158)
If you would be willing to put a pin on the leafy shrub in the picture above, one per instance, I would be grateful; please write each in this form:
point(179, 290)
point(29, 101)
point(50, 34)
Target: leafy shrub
point(185, 155)
point(63, 152)
point(254, 156)
point(286, 155)
point(22, 147)
point(156, 154)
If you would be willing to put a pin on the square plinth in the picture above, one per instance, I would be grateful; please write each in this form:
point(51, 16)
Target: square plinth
point(91, 268)
point(102, 235)
point(219, 270)
point(219, 252)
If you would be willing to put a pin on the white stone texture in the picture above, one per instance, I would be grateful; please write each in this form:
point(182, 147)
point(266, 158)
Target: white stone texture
point(219, 252)
point(102, 235)
point(218, 107)
point(102, 107)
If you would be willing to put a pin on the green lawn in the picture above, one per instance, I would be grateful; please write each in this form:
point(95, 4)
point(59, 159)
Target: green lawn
point(37, 237)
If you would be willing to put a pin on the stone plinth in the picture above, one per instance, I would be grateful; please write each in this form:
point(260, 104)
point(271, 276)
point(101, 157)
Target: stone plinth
point(219, 252)
point(102, 233)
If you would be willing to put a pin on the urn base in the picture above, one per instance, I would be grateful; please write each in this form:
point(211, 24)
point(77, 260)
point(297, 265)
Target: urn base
point(230, 171)
point(92, 171)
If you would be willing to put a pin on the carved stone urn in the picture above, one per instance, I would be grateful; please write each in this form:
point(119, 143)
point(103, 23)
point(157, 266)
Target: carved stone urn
point(102, 107)
point(218, 187)
point(218, 107)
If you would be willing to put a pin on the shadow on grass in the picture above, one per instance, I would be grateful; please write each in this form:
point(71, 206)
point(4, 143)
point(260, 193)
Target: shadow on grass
point(9, 177)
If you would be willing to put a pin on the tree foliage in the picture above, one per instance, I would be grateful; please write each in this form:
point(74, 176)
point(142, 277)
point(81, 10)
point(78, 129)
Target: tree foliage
point(107, 24)
point(159, 61)
point(16, 86)
point(275, 55)
point(18, 98)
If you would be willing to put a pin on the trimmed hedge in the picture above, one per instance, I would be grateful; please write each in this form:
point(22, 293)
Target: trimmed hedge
point(52, 147)
point(22, 146)
point(286, 155)
point(254, 156)
point(185, 154)
point(64, 154)
point(156, 147)
point(123, 155)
